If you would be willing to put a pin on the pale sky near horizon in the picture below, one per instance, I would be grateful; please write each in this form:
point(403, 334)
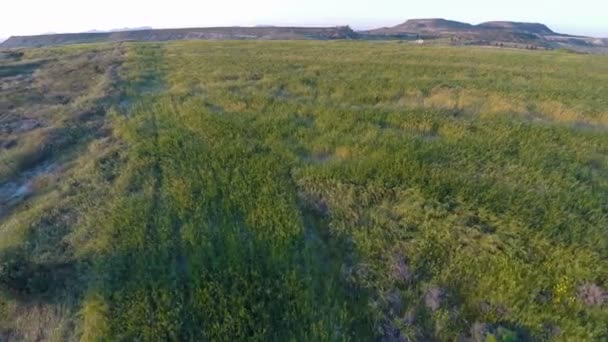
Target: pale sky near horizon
point(25, 17)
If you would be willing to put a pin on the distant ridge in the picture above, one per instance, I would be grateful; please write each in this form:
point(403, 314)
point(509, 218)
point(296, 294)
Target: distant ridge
point(491, 33)
point(210, 33)
point(443, 25)
point(520, 27)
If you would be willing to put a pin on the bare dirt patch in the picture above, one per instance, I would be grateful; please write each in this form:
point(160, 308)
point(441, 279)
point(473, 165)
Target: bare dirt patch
point(16, 191)
point(20, 126)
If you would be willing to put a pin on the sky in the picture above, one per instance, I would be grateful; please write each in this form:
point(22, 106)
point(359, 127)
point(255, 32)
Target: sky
point(25, 17)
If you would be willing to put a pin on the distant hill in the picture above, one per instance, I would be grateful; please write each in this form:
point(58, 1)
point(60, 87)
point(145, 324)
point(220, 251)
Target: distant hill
point(501, 33)
point(426, 25)
point(446, 26)
point(216, 33)
point(534, 28)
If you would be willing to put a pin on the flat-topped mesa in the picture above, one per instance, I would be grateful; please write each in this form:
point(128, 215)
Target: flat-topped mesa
point(433, 24)
point(443, 26)
point(210, 33)
point(535, 28)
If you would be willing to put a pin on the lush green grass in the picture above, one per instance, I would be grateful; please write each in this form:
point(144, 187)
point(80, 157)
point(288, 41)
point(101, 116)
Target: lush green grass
point(337, 191)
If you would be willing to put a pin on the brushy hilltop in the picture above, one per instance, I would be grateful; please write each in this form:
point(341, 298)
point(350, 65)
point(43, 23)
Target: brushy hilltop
point(302, 191)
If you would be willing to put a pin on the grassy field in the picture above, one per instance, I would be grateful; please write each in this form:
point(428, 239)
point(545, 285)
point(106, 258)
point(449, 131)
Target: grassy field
point(305, 191)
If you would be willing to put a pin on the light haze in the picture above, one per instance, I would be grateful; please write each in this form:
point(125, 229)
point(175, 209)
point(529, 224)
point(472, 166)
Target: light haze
point(25, 17)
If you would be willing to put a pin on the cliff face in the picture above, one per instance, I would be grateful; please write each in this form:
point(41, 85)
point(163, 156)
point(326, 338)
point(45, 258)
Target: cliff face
point(268, 33)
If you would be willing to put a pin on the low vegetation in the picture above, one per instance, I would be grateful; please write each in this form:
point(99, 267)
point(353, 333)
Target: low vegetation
point(304, 191)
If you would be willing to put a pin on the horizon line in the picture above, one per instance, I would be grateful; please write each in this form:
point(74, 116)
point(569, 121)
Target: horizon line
point(356, 27)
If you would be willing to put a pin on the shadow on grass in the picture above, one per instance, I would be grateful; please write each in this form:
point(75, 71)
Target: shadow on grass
point(24, 69)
